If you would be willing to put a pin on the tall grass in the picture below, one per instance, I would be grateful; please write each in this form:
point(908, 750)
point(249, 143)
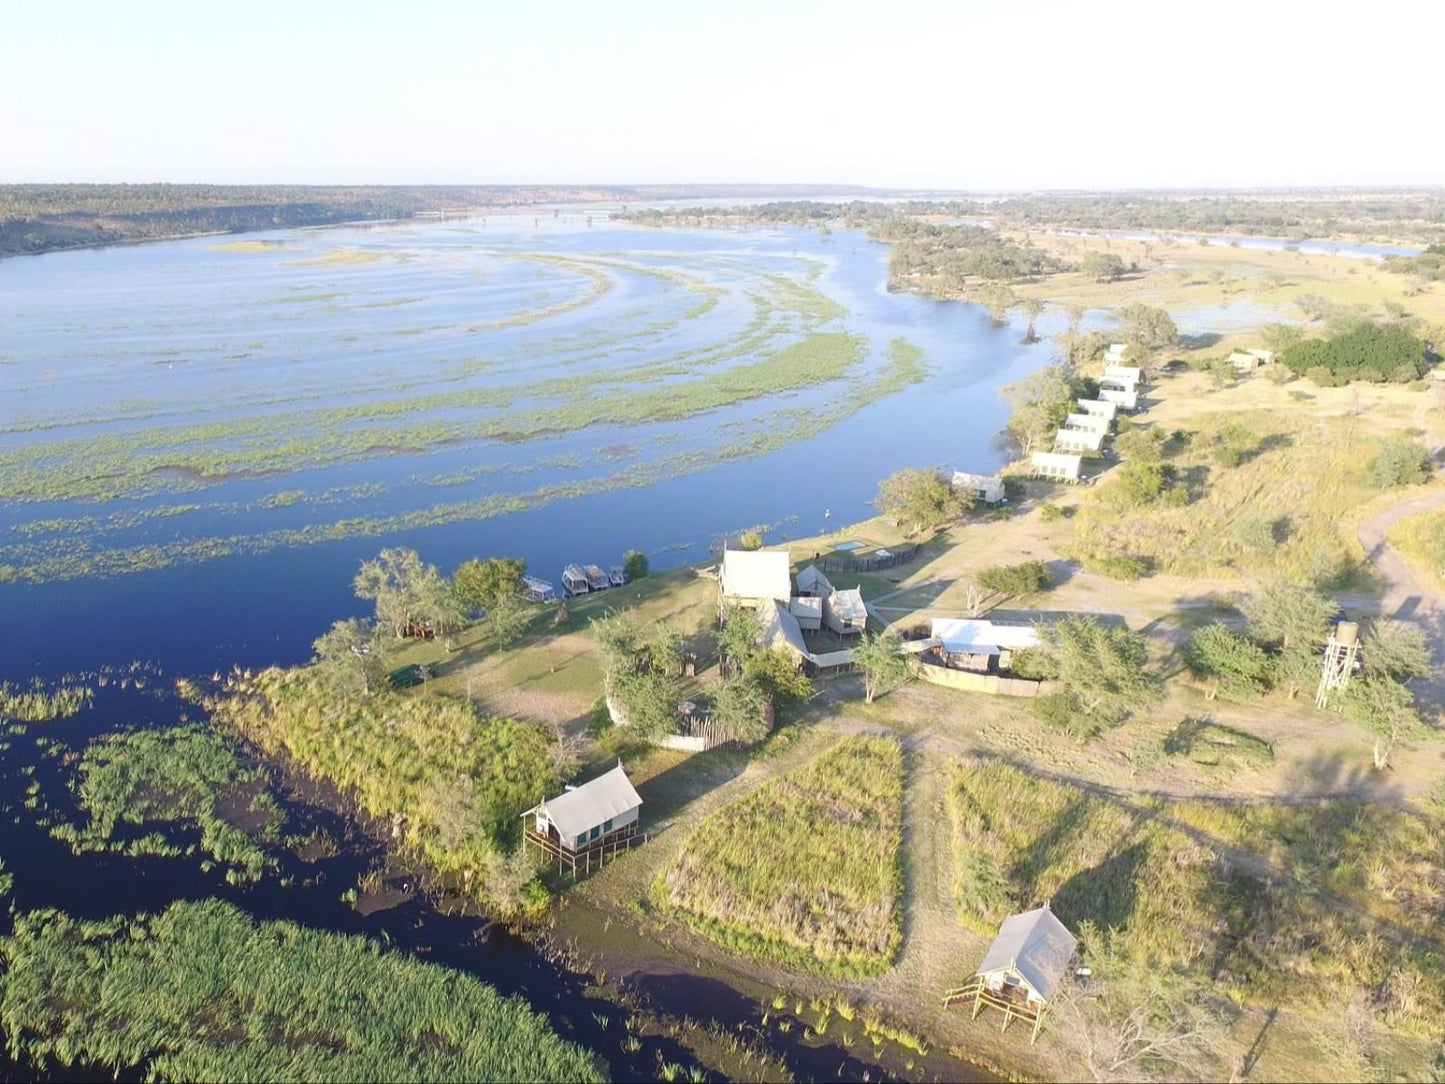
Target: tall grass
point(37, 704)
point(805, 869)
point(1304, 473)
point(1188, 906)
point(453, 782)
point(202, 992)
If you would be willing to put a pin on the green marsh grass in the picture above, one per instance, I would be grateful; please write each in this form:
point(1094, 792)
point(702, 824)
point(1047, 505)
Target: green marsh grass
point(455, 781)
point(182, 775)
point(203, 992)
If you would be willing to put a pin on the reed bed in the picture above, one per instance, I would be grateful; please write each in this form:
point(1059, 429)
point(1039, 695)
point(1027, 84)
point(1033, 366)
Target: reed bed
point(805, 869)
point(203, 992)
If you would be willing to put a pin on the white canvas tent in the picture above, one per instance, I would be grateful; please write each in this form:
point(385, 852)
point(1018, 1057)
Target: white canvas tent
point(1124, 374)
point(987, 488)
point(588, 813)
point(844, 612)
point(1055, 465)
point(1031, 954)
point(1089, 423)
point(1080, 440)
point(1115, 353)
point(1098, 408)
point(812, 582)
point(1123, 399)
point(807, 611)
point(756, 576)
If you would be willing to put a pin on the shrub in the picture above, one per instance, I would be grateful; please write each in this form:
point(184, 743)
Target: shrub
point(1021, 579)
point(634, 564)
point(1137, 483)
point(1117, 566)
point(1399, 463)
point(1051, 512)
point(751, 539)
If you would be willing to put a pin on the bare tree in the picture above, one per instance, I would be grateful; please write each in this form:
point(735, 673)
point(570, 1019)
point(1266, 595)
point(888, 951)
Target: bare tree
point(1145, 1034)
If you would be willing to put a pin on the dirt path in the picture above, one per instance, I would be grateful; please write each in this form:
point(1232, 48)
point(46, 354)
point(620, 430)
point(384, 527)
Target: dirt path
point(1404, 598)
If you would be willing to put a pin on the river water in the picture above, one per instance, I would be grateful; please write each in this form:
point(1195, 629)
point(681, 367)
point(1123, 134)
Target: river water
point(174, 345)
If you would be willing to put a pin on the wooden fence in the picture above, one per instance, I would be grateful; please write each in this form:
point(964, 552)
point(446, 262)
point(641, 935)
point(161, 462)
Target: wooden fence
point(970, 681)
point(838, 562)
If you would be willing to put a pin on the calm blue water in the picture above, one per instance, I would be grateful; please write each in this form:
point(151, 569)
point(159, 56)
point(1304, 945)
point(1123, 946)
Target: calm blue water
point(134, 340)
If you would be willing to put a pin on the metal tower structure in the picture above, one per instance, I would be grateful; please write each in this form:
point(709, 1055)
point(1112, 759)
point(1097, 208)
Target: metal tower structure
point(1341, 650)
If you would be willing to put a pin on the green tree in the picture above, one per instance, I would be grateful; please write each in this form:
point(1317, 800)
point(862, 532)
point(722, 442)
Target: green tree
point(751, 539)
point(349, 655)
point(1102, 266)
point(1102, 668)
point(880, 657)
point(408, 592)
point(1386, 709)
point(1148, 326)
point(737, 640)
point(634, 564)
point(1396, 650)
point(918, 499)
point(1400, 462)
point(1237, 667)
point(482, 584)
point(507, 619)
point(739, 708)
point(776, 670)
point(1280, 337)
point(1288, 615)
point(1041, 401)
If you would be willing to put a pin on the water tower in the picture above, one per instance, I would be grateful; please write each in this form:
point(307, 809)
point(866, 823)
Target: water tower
point(1341, 650)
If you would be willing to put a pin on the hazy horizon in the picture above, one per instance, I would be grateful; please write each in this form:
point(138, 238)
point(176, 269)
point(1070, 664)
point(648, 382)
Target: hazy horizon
point(977, 97)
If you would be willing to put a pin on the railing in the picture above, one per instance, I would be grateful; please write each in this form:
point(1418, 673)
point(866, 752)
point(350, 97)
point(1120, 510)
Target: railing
point(601, 850)
point(984, 998)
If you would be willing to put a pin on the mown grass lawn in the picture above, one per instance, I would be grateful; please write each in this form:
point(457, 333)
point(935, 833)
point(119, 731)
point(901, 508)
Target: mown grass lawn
point(804, 870)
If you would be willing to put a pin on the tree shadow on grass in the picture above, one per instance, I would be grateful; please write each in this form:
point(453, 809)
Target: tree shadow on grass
point(672, 789)
point(1106, 894)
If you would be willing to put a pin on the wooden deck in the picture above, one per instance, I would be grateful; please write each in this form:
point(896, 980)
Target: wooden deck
point(584, 858)
point(1013, 1008)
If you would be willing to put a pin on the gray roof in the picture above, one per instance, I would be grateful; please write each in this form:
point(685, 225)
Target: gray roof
point(811, 579)
point(594, 802)
point(781, 628)
point(757, 574)
point(1036, 945)
point(849, 604)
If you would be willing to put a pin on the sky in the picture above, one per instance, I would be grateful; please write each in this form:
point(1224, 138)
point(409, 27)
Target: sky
point(965, 95)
